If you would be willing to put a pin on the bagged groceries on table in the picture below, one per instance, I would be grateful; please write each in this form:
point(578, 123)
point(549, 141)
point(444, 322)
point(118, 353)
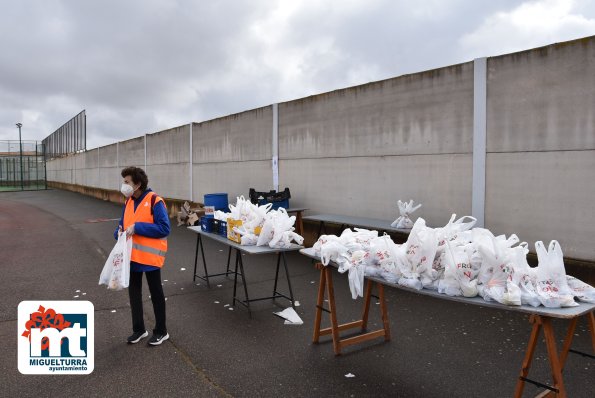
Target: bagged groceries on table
point(457, 260)
point(552, 286)
point(251, 224)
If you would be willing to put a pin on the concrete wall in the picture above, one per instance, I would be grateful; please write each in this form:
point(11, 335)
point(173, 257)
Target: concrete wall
point(541, 145)
point(109, 172)
point(168, 154)
point(360, 149)
point(233, 154)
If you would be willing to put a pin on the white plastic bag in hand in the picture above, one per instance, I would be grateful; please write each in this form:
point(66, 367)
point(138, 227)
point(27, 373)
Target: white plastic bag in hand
point(581, 290)
point(405, 210)
point(116, 271)
point(552, 287)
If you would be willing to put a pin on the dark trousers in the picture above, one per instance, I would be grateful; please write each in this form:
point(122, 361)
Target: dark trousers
point(135, 292)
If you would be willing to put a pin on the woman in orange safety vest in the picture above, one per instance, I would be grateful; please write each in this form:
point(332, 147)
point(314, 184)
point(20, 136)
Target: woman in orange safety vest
point(146, 222)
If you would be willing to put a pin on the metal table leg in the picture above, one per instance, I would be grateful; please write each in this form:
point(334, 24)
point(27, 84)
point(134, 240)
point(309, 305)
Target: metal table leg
point(204, 262)
point(196, 256)
point(288, 280)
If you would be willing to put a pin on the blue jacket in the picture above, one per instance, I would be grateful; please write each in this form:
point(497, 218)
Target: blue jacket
point(160, 228)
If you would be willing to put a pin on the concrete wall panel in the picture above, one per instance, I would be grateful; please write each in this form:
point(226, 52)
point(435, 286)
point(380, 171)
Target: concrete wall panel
point(170, 180)
point(91, 158)
point(132, 152)
point(169, 146)
point(109, 178)
point(543, 196)
point(235, 178)
point(542, 99)
point(367, 186)
point(108, 156)
point(423, 113)
point(240, 137)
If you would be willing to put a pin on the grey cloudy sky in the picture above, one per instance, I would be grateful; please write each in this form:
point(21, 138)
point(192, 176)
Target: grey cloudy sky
point(140, 66)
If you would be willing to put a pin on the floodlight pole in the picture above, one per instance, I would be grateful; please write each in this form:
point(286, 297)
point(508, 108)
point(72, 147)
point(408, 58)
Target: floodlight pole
point(19, 125)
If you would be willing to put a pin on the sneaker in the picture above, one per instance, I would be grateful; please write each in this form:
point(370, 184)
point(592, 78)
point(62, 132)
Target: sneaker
point(157, 339)
point(137, 336)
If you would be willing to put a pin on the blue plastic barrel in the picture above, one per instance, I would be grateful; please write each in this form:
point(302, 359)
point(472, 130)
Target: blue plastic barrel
point(218, 200)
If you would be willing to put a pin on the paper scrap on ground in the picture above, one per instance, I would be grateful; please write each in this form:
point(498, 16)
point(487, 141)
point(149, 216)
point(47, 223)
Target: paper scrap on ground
point(291, 317)
point(349, 375)
point(296, 303)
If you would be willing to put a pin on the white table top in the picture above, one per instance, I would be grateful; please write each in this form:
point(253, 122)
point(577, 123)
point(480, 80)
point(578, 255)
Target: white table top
point(245, 249)
point(568, 312)
point(369, 223)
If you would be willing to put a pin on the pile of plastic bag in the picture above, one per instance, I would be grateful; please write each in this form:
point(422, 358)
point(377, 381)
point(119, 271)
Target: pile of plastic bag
point(457, 260)
point(262, 226)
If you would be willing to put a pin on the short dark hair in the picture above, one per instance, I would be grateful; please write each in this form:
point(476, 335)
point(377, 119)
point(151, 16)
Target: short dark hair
point(137, 175)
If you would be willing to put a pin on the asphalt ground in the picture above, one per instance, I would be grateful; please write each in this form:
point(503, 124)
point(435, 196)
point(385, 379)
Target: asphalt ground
point(49, 249)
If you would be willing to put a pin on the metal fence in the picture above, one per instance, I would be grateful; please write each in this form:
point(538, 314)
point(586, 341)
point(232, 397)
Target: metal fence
point(22, 169)
point(69, 138)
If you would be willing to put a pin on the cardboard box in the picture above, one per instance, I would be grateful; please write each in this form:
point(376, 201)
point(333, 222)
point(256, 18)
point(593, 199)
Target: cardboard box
point(231, 234)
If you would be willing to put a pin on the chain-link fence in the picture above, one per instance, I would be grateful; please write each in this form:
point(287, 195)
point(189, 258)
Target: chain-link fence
point(22, 168)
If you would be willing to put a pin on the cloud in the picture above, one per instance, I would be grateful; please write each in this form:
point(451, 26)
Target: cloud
point(141, 66)
point(531, 24)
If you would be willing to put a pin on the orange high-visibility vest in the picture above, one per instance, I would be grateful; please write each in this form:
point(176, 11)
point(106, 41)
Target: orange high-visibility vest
point(147, 251)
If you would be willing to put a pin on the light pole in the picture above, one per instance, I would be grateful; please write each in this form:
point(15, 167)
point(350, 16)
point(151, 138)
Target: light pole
point(19, 125)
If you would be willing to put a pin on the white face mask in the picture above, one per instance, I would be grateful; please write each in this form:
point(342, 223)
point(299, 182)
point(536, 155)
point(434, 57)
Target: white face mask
point(127, 190)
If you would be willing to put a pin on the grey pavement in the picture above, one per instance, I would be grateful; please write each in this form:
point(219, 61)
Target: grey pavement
point(49, 249)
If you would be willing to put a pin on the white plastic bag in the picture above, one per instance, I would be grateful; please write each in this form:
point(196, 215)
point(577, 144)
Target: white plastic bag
point(267, 232)
point(552, 287)
point(498, 258)
point(420, 253)
point(457, 232)
point(356, 273)
point(116, 271)
point(405, 210)
point(525, 276)
point(460, 276)
point(581, 290)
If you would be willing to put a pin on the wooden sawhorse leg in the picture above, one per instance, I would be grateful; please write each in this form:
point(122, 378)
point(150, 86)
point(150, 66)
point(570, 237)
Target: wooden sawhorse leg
point(556, 361)
point(326, 285)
